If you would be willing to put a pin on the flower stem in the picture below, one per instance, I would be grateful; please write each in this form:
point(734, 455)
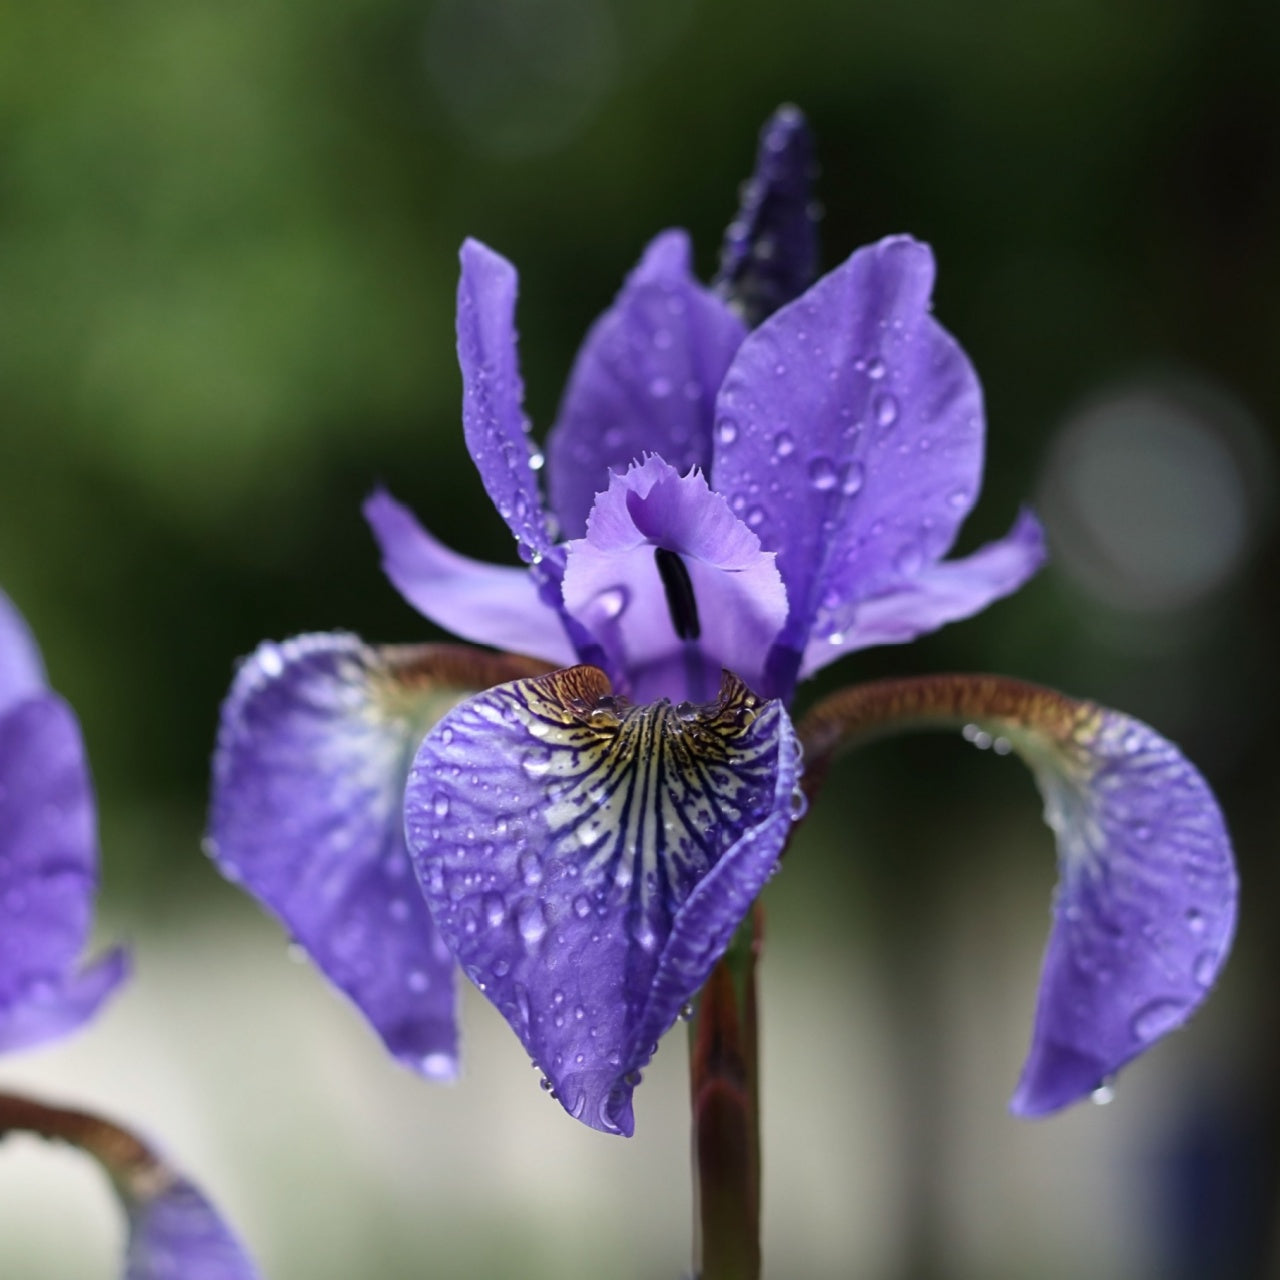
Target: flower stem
point(133, 1167)
point(724, 1080)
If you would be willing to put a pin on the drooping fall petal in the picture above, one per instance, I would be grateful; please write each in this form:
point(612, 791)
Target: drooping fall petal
point(587, 861)
point(1146, 903)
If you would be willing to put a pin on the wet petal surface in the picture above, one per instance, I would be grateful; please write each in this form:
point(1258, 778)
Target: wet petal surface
point(939, 593)
point(770, 250)
point(733, 603)
point(645, 381)
point(493, 417)
point(48, 877)
point(849, 436)
point(316, 739)
point(486, 603)
point(1145, 908)
point(588, 861)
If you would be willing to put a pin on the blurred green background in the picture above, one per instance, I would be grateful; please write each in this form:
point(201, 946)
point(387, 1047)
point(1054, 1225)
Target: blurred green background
point(228, 240)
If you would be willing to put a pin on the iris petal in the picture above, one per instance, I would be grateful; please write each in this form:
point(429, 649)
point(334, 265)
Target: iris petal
point(48, 877)
point(21, 669)
point(613, 585)
point(1146, 903)
point(314, 746)
point(939, 593)
point(770, 250)
point(849, 435)
point(493, 418)
point(177, 1233)
point(486, 603)
point(588, 861)
point(645, 381)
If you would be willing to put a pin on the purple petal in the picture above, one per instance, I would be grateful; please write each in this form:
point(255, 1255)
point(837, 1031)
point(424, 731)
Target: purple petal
point(770, 250)
point(488, 604)
point(48, 877)
point(1145, 909)
point(21, 670)
point(315, 742)
point(938, 594)
point(178, 1235)
point(849, 435)
point(493, 417)
point(588, 861)
point(645, 381)
point(612, 584)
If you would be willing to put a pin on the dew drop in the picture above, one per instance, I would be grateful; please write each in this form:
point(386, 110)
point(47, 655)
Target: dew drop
point(440, 805)
point(446, 736)
point(876, 368)
point(438, 1066)
point(1105, 1094)
point(495, 910)
point(417, 981)
point(958, 499)
point(836, 638)
point(581, 906)
point(612, 602)
point(910, 559)
point(854, 477)
point(885, 409)
point(822, 474)
point(726, 431)
point(1205, 968)
point(1156, 1018)
point(784, 444)
point(530, 869)
point(1195, 920)
point(270, 662)
point(531, 922)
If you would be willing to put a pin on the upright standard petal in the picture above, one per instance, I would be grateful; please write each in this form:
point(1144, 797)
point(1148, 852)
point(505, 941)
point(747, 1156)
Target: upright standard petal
point(588, 861)
point(770, 250)
point(21, 669)
point(307, 813)
point(1146, 903)
point(493, 416)
point(849, 435)
point(485, 603)
point(645, 381)
point(48, 877)
point(674, 584)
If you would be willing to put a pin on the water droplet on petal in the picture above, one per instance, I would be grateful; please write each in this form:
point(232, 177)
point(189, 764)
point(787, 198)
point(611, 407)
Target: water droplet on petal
point(885, 409)
point(1205, 968)
point(440, 805)
point(417, 981)
point(531, 921)
point(854, 477)
point(822, 474)
point(1156, 1018)
point(876, 368)
point(726, 431)
point(910, 559)
point(1104, 1094)
point(784, 444)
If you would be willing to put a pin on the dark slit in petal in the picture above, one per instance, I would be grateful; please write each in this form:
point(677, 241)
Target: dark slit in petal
point(681, 602)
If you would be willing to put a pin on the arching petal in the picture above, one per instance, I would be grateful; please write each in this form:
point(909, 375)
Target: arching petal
point(849, 436)
point(587, 862)
point(614, 584)
point(1146, 903)
point(307, 814)
point(938, 594)
point(770, 250)
point(485, 603)
point(178, 1233)
point(48, 877)
point(493, 417)
point(21, 670)
point(645, 381)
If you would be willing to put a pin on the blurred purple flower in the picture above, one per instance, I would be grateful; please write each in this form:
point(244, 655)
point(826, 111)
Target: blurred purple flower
point(753, 503)
point(48, 879)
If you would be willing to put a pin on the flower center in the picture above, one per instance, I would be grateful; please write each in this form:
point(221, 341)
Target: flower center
point(682, 604)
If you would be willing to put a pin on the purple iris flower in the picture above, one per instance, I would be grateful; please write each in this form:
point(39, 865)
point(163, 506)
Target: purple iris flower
point(48, 879)
point(730, 510)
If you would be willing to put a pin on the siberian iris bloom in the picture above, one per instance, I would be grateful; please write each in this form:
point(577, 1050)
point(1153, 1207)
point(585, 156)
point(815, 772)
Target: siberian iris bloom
point(48, 878)
point(744, 484)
